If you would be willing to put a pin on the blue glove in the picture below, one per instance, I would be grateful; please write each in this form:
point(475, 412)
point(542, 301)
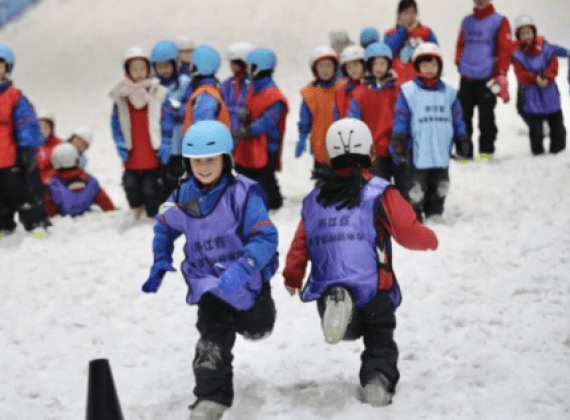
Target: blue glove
point(123, 154)
point(236, 275)
point(164, 155)
point(301, 147)
point(406, 54)
point(157, 272)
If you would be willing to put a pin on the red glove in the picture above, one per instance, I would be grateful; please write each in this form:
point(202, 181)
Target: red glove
point(503, 88)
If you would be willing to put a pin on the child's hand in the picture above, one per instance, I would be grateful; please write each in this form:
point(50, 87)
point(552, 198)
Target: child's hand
point(300, 147)
point(292, 290)
point(542, 82)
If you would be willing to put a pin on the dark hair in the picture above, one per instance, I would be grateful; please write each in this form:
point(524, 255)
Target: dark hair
point(175, 71)
point(368, 64)
point(428, 58)
point(405, 4)
point(227, 168)
point(517, 33)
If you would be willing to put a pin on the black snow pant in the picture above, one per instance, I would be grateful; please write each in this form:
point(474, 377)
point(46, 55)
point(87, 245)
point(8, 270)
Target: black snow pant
point(268, 181)
point(144, 188)
point(475, 93)
point(536, 131)
point(172, 174)
point(425, 189)
point(375, 323)
point(384, 168)
point(218, 324)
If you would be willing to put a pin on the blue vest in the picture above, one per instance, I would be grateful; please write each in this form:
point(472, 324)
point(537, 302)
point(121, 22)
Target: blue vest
point(342, 245)
point(176, 91)
point(233, 102)
point(431, 124)
point(73, 202)
point(212, 242)
point(478, 57)
point(537, 100)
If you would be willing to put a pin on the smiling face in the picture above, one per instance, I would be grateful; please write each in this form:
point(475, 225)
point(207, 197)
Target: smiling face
point(207, 170)
point(429, 68)
point(164, 69)
point(526, 34)
point(325, 69)
point(408, 17)
point(354, 69)
point(138, 69)
point(379, 68)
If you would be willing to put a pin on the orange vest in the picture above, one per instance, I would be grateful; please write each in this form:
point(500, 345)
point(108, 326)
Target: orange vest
point(8, 144)
point(223, 115)
point(321, 104)
point(251, 153)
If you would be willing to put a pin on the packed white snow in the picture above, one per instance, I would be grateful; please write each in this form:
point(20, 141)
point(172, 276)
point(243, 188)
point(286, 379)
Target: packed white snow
point(484, 327)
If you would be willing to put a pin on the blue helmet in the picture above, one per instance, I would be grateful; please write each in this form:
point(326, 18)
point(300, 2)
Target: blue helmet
point(164, 51)
point(7, 55)
point(205, 60)
point(206, 139)
point(261, 59)
point(368, 36)
point(377, 49)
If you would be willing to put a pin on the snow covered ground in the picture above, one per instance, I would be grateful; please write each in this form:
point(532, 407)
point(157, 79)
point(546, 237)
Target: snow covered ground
point(484, 328)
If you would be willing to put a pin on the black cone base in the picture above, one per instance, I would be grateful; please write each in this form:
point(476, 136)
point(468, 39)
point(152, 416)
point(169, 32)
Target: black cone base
point(102, 399)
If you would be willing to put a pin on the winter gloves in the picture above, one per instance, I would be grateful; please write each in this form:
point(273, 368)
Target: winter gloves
point(236, 275)
point(241, 133)
point(463, 148)
point(500, 87)
point(157, 272)
point(398, 148)
point(301, 147)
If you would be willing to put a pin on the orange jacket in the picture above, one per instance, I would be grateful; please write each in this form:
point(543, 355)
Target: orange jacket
point(223, 116)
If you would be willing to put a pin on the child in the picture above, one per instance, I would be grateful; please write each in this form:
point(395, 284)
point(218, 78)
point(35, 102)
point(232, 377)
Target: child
point(43, 156)
point(374, 104)
point(483, 55)
point(352, 68)
point(72, 191)
point(427, 120)
point(347, 222)
point(234, 88)
point(20, 136)
point(260, 141)
point(206, 101)
point(142, 124)
point(81, 139)
point(317, 107)
point(405, 38)
point(231, 254)
point(369, 35)
point(164, 60)
point(185, 48)
point(536, 66)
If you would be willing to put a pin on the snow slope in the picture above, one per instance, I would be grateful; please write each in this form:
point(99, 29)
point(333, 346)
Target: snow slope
point(484, 328)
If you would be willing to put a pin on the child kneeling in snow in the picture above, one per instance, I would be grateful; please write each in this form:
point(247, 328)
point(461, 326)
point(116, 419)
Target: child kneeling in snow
point(231, 254)
point(345, 232)
point(71, 191)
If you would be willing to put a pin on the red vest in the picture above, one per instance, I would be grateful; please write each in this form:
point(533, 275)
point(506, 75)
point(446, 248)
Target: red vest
point(378, 113)
point(43, 159)
point(342, 98)
point(223, 116)
point(407, 72)
point(142, 156)
point(8, 143)
point(251, 153)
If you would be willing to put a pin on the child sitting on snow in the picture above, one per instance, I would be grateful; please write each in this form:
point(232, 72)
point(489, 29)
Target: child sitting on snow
point(72, 191)
point(81, 139)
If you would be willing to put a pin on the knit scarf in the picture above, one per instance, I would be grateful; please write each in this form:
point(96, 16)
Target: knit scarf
point(136, 92)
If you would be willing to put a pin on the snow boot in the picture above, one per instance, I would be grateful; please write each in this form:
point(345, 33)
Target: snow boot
point(337, 314)
point(207, 410)
point(376, 392)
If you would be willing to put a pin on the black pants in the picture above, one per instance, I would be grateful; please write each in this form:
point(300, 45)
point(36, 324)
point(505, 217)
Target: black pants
point(475, 93)
point(375, 323)
point(218, 324)
point(425, 189)
point(383, 167)
point(144, 188)
point(17, 194)
point(172, 174)
point(557, 132)
point(268, 181)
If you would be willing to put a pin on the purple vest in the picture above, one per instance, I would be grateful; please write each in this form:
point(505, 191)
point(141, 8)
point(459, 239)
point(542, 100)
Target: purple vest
point(537, 100)
point(478, 58)
point(73, 202)
point(212, 242)
point(342, 245)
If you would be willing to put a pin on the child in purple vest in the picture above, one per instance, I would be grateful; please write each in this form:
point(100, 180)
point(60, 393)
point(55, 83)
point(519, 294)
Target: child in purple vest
point(536, 66)
point(230, 256)
point(347, 222)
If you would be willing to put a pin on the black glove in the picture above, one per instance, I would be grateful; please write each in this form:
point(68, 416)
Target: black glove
point(273, 160)
point(242, 115)
point(242, 133)
point(462, 147)
point(398, 147)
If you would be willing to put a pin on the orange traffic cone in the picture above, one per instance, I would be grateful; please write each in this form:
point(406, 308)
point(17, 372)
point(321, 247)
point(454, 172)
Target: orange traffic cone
point(102, 399)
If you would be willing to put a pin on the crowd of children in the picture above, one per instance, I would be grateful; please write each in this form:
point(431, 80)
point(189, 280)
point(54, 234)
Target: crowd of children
point(200, 159)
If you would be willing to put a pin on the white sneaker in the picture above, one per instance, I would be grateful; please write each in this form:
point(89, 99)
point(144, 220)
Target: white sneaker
point(208, 410)
point(376, 392)
point(337, 315)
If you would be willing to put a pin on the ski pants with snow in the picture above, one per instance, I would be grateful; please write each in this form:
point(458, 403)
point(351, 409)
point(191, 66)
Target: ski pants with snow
point(475, 93)
point(144, 188)
point(536, 131)
point(425, 189)
point(218, 324)
point(375, 323)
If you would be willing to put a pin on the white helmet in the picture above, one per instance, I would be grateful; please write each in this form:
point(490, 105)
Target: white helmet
point(136, 52)
point(350, 53)
point(45, 115)
point(524, 20)
point(427, 49)
point(185, 43)
point(238, 51)
point(324, 51)
point(348, 136)
point(64, 156)
point(85, 133)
